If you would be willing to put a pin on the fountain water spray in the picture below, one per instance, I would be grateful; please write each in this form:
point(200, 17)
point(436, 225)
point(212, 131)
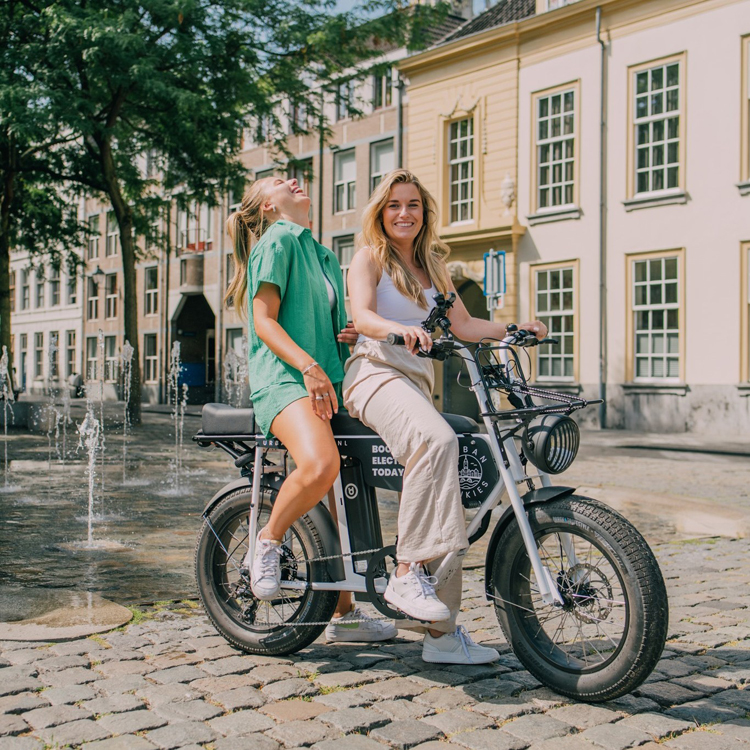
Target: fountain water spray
point(100, 373)
point(66, 420)
point(127, 374)
point(177, 397)
point(6, 393)
point(53, 414)
point(89, 431)
point(236, 374)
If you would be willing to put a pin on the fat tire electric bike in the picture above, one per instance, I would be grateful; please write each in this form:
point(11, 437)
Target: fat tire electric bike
point(576, 589)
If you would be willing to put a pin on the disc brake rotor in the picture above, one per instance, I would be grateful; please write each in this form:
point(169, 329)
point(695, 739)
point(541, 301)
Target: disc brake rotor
point(587, 593)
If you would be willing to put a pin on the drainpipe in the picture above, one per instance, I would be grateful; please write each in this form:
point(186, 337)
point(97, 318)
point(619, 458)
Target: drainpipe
point(219, 332)
point(602, 227)
point(400, 132)
point(321, 146)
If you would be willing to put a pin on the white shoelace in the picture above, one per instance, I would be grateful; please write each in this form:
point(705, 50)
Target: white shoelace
point(465, 640)
point(267, 562)
point(426, 583)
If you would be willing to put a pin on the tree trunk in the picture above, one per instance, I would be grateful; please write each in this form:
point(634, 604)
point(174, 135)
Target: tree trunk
point(124, 216)
point(5, 207)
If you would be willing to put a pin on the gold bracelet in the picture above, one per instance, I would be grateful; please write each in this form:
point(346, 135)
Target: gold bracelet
point(309, 367)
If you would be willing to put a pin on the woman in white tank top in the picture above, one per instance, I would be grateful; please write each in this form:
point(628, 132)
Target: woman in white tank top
point(392, 281)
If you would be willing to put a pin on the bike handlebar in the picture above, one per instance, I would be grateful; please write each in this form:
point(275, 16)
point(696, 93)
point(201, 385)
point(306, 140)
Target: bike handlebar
point(515, 338)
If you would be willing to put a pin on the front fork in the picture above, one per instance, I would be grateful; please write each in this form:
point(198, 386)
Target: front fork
point(547, 586)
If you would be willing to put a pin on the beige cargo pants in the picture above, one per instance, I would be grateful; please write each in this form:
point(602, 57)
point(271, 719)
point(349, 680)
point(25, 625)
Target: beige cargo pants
point(390, 391)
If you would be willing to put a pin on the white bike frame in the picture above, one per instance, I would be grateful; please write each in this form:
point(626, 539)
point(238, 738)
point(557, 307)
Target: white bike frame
point(512, 475)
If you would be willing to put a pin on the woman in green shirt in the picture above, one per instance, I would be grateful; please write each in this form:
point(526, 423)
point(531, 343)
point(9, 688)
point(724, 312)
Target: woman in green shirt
point(297, 336)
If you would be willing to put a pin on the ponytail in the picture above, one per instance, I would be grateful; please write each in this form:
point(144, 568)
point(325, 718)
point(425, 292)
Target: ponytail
point(248, 222)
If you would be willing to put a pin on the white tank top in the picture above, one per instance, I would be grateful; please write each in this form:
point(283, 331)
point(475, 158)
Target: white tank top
point(392, 305)
point(331, 293)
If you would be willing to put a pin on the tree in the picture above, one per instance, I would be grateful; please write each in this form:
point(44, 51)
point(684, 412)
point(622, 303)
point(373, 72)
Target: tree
point(177, 79)
point(36, 214)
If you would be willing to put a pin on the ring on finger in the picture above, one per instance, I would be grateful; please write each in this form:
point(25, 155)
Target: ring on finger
point(319, 398)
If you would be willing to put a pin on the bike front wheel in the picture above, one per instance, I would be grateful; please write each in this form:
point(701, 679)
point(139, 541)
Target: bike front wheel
point(609, 633)
point(291, 621)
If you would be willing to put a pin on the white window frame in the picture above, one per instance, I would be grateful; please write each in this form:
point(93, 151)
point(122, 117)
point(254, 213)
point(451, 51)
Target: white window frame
point(110, 296)
point(111, 359)
point(150, 360)
point(382, 90)
point(25, 290)
point(54, 288)
point(657, 134)
point(648, 296)
point(72, 289)
point(377, 175)
point(38, 355)
point(555, 153)
point(113, 236)
point(70, 353)
point(559, 313)
point(344, 249)
point(92, 358)
point(461, 171)
point(92, 299)
point(344, 191)
point(92, 244)
point(39, 290)
point(151, 302)
point(344, 100)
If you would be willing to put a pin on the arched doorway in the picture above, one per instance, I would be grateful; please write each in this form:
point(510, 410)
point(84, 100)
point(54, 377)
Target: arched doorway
point(194, 327)
point(452, 397)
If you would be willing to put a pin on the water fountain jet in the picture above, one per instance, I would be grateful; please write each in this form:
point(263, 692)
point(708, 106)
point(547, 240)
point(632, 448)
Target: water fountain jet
point(6, 393)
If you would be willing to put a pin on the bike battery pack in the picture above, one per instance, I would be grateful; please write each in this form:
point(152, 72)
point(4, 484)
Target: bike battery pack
point(362, 514)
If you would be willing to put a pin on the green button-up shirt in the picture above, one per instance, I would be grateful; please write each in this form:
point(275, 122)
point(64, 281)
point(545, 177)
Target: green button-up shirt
point(289, 257)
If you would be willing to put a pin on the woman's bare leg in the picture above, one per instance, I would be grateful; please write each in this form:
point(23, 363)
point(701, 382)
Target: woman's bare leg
point(310, 443)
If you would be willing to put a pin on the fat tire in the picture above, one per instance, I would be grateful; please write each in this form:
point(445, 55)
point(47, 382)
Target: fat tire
point(318, 605)
point(639, 576)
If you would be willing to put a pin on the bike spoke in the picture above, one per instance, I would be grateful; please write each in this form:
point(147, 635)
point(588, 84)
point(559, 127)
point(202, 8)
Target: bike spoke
point(581, 632)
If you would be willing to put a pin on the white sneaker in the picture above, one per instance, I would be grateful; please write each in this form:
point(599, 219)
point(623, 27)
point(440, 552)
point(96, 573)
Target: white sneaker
point(456, 648)
point(368, 631)
point(265, 573)
point(414, 594)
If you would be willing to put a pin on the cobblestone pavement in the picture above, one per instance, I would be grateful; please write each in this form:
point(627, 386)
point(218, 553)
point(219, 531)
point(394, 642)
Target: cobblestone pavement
point(169, 681)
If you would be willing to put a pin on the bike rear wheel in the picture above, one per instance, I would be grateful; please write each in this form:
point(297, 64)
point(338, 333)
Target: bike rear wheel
point(283, 625)
point(609, 634)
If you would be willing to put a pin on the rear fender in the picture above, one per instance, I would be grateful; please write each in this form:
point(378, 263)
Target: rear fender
point(534, 497)
point(319, 517)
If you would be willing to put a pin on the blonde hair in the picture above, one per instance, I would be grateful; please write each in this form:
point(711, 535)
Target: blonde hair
point(250, 221)
point(430, 251)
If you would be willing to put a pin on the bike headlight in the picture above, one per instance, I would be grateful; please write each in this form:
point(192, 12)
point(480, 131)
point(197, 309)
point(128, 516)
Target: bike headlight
point(550, 442)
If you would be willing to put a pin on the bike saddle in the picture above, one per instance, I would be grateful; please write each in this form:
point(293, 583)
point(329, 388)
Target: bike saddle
point(345, 425)
point(222, 419)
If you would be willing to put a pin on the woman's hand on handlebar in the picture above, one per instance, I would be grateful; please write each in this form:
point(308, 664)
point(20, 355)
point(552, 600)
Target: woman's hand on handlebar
point(415, 337)
point(322, 394)
point(536, 327)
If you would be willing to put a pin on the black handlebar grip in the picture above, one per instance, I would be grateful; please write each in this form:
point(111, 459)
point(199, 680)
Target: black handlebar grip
point(395, 339)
